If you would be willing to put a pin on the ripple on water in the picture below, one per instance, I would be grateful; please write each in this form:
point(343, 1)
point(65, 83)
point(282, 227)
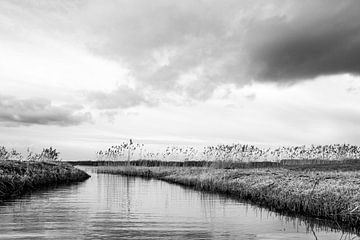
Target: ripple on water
point(117, 207)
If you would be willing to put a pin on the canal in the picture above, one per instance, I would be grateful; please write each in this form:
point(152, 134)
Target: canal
point(118, 207)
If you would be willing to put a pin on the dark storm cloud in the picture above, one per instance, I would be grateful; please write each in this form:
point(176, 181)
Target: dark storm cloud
point(323, 38)
point(190, 48)
point(234, 42)
point(15, 112)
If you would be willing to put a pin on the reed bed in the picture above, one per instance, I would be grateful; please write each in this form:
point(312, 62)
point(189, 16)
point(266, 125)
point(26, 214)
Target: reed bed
point(329, 195)
point(311, 154)
point(17, 178)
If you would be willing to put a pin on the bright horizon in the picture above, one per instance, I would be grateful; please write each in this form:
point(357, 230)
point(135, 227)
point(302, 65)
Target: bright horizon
point(84, 75)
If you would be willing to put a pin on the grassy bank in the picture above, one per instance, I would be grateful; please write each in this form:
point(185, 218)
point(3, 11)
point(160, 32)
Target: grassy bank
point(331, 195)
point(17, 178)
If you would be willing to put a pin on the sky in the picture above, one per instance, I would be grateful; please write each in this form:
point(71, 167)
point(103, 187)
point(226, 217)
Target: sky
point(82, 75)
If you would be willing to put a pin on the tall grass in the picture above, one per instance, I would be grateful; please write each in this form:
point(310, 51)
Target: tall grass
point(47, 154)
point(228, 152)
point(17, 178)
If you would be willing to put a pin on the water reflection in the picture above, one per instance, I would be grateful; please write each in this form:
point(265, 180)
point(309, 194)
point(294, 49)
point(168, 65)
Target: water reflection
point(116, 207)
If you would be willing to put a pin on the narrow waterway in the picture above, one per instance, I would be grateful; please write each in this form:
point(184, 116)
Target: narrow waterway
point(117, 207)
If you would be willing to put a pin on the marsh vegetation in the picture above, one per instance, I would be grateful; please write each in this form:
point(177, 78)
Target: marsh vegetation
point(128, 151)
point(19, 175)
point(17, 178)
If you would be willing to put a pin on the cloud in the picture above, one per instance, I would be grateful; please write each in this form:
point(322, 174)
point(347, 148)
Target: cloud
point(121, 98)
point(193, 47)
point(190, 48)
point(250, 96)
point(15, 112)
point(321, 38)
point(186, 48)
point(110, 115)
point(353, 90)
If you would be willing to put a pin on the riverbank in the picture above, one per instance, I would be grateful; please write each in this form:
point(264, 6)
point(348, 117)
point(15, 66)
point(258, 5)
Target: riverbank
point(17, 178)
point(329, 195)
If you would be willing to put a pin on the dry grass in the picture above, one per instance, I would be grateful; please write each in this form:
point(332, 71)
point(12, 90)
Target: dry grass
point(328, 195)
point(16, 177)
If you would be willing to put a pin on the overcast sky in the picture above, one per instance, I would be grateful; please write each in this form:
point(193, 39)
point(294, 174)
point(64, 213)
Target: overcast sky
point(84, 74)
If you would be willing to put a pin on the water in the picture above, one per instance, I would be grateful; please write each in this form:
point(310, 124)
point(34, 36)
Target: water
point(117, 207)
